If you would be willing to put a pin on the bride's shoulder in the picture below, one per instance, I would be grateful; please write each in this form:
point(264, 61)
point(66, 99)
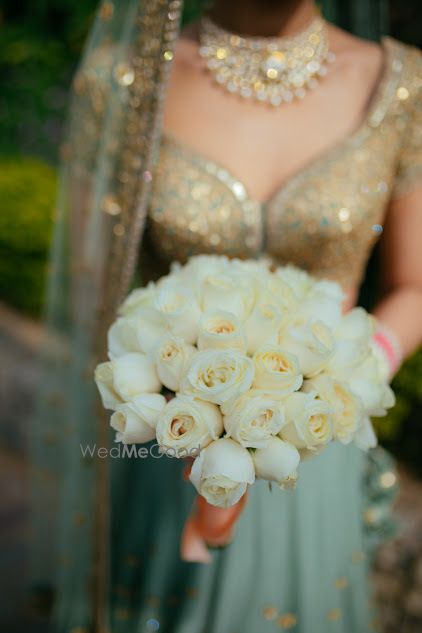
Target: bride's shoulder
point(351, 46)
point(389, 58)
point(405, 72)
point(406, 60)
point(356, 58)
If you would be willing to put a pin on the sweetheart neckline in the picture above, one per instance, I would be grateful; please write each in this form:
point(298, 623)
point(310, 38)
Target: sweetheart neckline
point(375, 113)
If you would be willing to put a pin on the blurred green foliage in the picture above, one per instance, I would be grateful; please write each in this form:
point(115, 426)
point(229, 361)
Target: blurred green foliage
point(40, 44)
point(27, 194)
point(27, 190)
point(407, 386)
point(400, 430)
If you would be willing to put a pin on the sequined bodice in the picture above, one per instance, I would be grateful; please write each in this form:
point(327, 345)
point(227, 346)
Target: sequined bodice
point(327, 217)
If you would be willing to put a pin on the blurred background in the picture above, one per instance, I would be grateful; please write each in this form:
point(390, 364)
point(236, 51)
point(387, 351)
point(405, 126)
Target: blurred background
point(40, 44)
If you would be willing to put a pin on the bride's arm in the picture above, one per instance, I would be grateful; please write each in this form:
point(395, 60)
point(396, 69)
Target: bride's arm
point(400, 308)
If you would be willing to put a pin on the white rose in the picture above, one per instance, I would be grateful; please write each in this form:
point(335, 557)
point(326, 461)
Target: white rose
point(254, 267)
point(324, 308)
point(221, 330)
point(104, 381)
point(309, 421)
point(367, 382)
point(262, 325)
point(275, 290)
point(138, 298)
point(299, 280)
point(150, 328)
point(355, 325)
point(218, 375)
point(134, 374)
point(312, 344)
point(231, 291)
point(122, 338)
point(200, 267)
point(355, 363)
point(353, 335)
point(328, 288)
point(180, 310)
point(347, 409)
point(149, 406)
point(173, 357)
point(318, 299)
point(348, 355)
point(365, 437)
point(276, 369)
point(222, 472)
point(253, 418)
point(277, 462)
point(188, 423)
point(135, 423)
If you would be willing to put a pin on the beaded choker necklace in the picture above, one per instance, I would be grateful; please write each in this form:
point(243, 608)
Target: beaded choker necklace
point(272, 70)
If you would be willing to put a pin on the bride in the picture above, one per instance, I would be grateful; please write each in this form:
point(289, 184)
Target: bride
point(259, 129)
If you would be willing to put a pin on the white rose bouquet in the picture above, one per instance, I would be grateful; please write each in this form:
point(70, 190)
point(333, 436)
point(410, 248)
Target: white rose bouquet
point(246, 369)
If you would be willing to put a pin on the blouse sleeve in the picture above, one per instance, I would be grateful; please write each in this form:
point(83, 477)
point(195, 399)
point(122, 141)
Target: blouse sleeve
point(409, 163)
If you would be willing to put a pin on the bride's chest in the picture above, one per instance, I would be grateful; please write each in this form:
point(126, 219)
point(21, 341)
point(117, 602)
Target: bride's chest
point(264, 146)
point(325, 218)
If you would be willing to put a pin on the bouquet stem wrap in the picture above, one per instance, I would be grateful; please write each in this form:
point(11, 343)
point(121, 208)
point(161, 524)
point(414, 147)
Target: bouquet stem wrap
point(208, 526)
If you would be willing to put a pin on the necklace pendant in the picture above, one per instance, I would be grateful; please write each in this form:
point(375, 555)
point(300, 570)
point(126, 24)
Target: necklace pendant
point(275, 65)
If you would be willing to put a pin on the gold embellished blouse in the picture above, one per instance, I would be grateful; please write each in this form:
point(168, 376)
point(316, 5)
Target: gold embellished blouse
point(327, 217)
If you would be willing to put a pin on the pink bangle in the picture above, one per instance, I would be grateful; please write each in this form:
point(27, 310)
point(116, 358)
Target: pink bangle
point(390, 346)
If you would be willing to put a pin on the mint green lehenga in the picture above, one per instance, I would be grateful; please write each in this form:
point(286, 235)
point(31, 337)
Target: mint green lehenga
point(298, 560)
point(295, 558)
